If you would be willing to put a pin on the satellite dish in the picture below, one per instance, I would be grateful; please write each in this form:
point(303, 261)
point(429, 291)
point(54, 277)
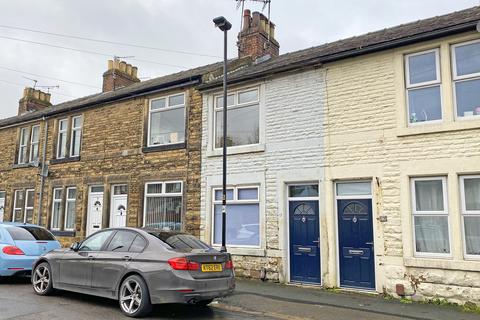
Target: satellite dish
point(478, 26)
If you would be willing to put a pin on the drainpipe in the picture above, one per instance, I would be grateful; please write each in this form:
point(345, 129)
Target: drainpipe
point(42, 177)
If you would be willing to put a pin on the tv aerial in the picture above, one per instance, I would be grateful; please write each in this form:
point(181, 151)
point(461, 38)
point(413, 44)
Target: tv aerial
point(35, 85)
point(266, 5)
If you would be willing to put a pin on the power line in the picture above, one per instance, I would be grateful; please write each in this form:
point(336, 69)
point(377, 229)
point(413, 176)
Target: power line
point(112, 42)
point(22, 85)
point(88, 51)
point(51, 78)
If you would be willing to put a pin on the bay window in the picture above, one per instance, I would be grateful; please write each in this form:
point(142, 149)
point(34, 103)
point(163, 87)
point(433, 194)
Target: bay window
point(423, 86)
point(166, 123)
point(430, 216)
point(470, 207)
point(466, 78)
point(243, 222)
point(243, 118)
point(163, 205)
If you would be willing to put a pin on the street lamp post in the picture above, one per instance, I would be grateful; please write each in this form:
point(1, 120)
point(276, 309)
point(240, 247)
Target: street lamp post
point(224, 26)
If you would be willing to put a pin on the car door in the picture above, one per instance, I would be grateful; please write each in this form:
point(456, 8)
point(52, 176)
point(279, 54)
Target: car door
point(76, 266)
point(111, 262)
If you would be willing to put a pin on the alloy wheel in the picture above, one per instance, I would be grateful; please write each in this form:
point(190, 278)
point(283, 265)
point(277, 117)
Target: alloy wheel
point(41, 279)
point(130, 296)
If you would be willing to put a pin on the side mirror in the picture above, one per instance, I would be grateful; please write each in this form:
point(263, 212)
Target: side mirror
point(75, 246)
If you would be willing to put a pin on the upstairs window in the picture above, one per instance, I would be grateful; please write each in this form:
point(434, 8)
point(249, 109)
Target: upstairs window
point(69, 145)
point(28, 147)
point(423, 86)
point(466, 78)
point(243, 118)
point(166, 124)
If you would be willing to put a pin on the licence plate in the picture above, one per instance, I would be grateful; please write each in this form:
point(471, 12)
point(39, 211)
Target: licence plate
point(214, 267)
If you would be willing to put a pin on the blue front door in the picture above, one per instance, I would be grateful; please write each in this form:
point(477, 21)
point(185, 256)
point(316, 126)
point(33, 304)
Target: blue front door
point(355, 237)
point(304, 242)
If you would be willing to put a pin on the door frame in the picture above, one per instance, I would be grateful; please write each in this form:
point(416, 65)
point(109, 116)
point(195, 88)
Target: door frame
point(337, 240)
point(287, 218)
point(110, 207)
point(88, 205)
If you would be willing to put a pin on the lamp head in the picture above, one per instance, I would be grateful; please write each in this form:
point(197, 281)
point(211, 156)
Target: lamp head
point(222, 23)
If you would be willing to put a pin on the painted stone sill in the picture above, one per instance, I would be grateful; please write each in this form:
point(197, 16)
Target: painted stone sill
point(59, 233)
point(164, 147)
point(23, 166)
point(458, 125)
point(461, 265)
point(64, 160)
point(253, 252)
point(237, 150)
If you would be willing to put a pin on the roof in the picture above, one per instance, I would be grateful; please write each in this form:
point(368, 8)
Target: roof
point(140, 88)
point(422, 30)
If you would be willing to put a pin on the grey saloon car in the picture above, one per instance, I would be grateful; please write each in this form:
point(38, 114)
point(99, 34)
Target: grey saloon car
point(138, 267)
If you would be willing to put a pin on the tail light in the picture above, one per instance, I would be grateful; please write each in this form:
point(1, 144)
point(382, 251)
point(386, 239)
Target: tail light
point(183, 264)
point(13, 251)
point(229, 264)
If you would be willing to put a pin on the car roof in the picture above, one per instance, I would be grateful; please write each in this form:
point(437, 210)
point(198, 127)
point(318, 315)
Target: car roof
point(18, 224)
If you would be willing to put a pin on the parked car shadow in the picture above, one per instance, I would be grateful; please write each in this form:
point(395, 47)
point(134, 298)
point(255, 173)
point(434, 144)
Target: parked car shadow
point(15, 280)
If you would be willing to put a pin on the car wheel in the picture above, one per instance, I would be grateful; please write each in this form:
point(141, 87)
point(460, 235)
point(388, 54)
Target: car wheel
point(42, 279)
point(134, 297)
point(204, 303)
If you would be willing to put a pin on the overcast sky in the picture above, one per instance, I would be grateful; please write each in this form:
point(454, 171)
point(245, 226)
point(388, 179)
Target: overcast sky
point(182, 25)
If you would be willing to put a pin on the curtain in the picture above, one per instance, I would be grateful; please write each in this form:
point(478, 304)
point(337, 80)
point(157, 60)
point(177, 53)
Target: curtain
point(431, 234)
point(429, 195)
point(472, 235)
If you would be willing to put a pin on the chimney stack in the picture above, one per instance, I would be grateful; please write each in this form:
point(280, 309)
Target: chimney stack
point(119, 74)
point(257, 37)
point(33, 100)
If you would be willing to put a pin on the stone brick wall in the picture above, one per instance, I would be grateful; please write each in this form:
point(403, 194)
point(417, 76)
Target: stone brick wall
point(367, 139)
point(291, 114)
point(112, 153)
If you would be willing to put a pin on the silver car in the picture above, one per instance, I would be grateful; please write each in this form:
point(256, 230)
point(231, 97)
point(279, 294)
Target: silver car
point(138, 267)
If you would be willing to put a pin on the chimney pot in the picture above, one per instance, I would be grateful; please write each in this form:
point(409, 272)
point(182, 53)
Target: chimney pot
point(257, 37)
point(119, 75)
point(33, 100)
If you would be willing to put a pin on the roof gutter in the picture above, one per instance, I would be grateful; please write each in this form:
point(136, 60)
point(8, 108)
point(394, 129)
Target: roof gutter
point(464, 27)
point(122, 97)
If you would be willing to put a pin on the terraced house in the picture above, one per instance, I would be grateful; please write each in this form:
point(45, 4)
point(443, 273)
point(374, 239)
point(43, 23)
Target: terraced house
point(129, 156)
point(355, 164)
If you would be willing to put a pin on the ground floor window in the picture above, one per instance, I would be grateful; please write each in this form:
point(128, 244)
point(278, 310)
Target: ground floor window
point(163, 205)
point(430, 216)
point(2, 205)
point(64, 209)
point(470, 204)
point(23, 206)
point(243, 216)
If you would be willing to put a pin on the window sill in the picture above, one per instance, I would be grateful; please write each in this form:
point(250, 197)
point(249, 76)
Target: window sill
point(23, 165)
point(165, 147)
point(237, 150)
point(253, 252)
point(64, 160)
point(442, 264)
point(59, 233)
point(459, 125)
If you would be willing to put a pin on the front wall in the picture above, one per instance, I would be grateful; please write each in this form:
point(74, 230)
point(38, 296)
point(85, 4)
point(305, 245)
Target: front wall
point(291, 143)
point(112, 142)
point(367, 138)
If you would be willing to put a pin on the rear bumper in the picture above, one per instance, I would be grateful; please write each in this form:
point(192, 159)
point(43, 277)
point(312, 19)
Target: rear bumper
point(195, 290)
point(16, 265)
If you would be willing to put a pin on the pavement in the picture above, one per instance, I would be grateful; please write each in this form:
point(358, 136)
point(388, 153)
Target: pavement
point(251, 300)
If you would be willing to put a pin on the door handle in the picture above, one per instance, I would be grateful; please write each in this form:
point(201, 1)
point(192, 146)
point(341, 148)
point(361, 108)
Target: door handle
point(317, 242)
point(127, 258)
point(91, 258)
point(369, 243)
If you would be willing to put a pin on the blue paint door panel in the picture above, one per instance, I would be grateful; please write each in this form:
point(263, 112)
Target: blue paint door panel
point(355, 228)
point(304, 241)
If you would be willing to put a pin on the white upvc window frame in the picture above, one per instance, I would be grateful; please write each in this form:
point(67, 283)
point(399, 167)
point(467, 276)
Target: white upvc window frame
point(34, 143)
point(55, 200)
point(68, 202)
point(167, 108)
point(236, 105)
point(467, 213)
point(444, 213)
point(423, 85)
point(27, 191)
point(233, 201)
point(3, 196)
point(162, 194)
point(15, 202)
point(456, 79)
point(60, 133)
point(72, 135)
point(23, 145)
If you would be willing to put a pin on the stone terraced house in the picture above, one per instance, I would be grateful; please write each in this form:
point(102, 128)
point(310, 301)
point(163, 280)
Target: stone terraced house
point(354, 164)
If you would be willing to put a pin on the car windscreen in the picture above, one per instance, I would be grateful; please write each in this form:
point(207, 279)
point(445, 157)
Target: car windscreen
point(30, 234)
point(182, 242)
